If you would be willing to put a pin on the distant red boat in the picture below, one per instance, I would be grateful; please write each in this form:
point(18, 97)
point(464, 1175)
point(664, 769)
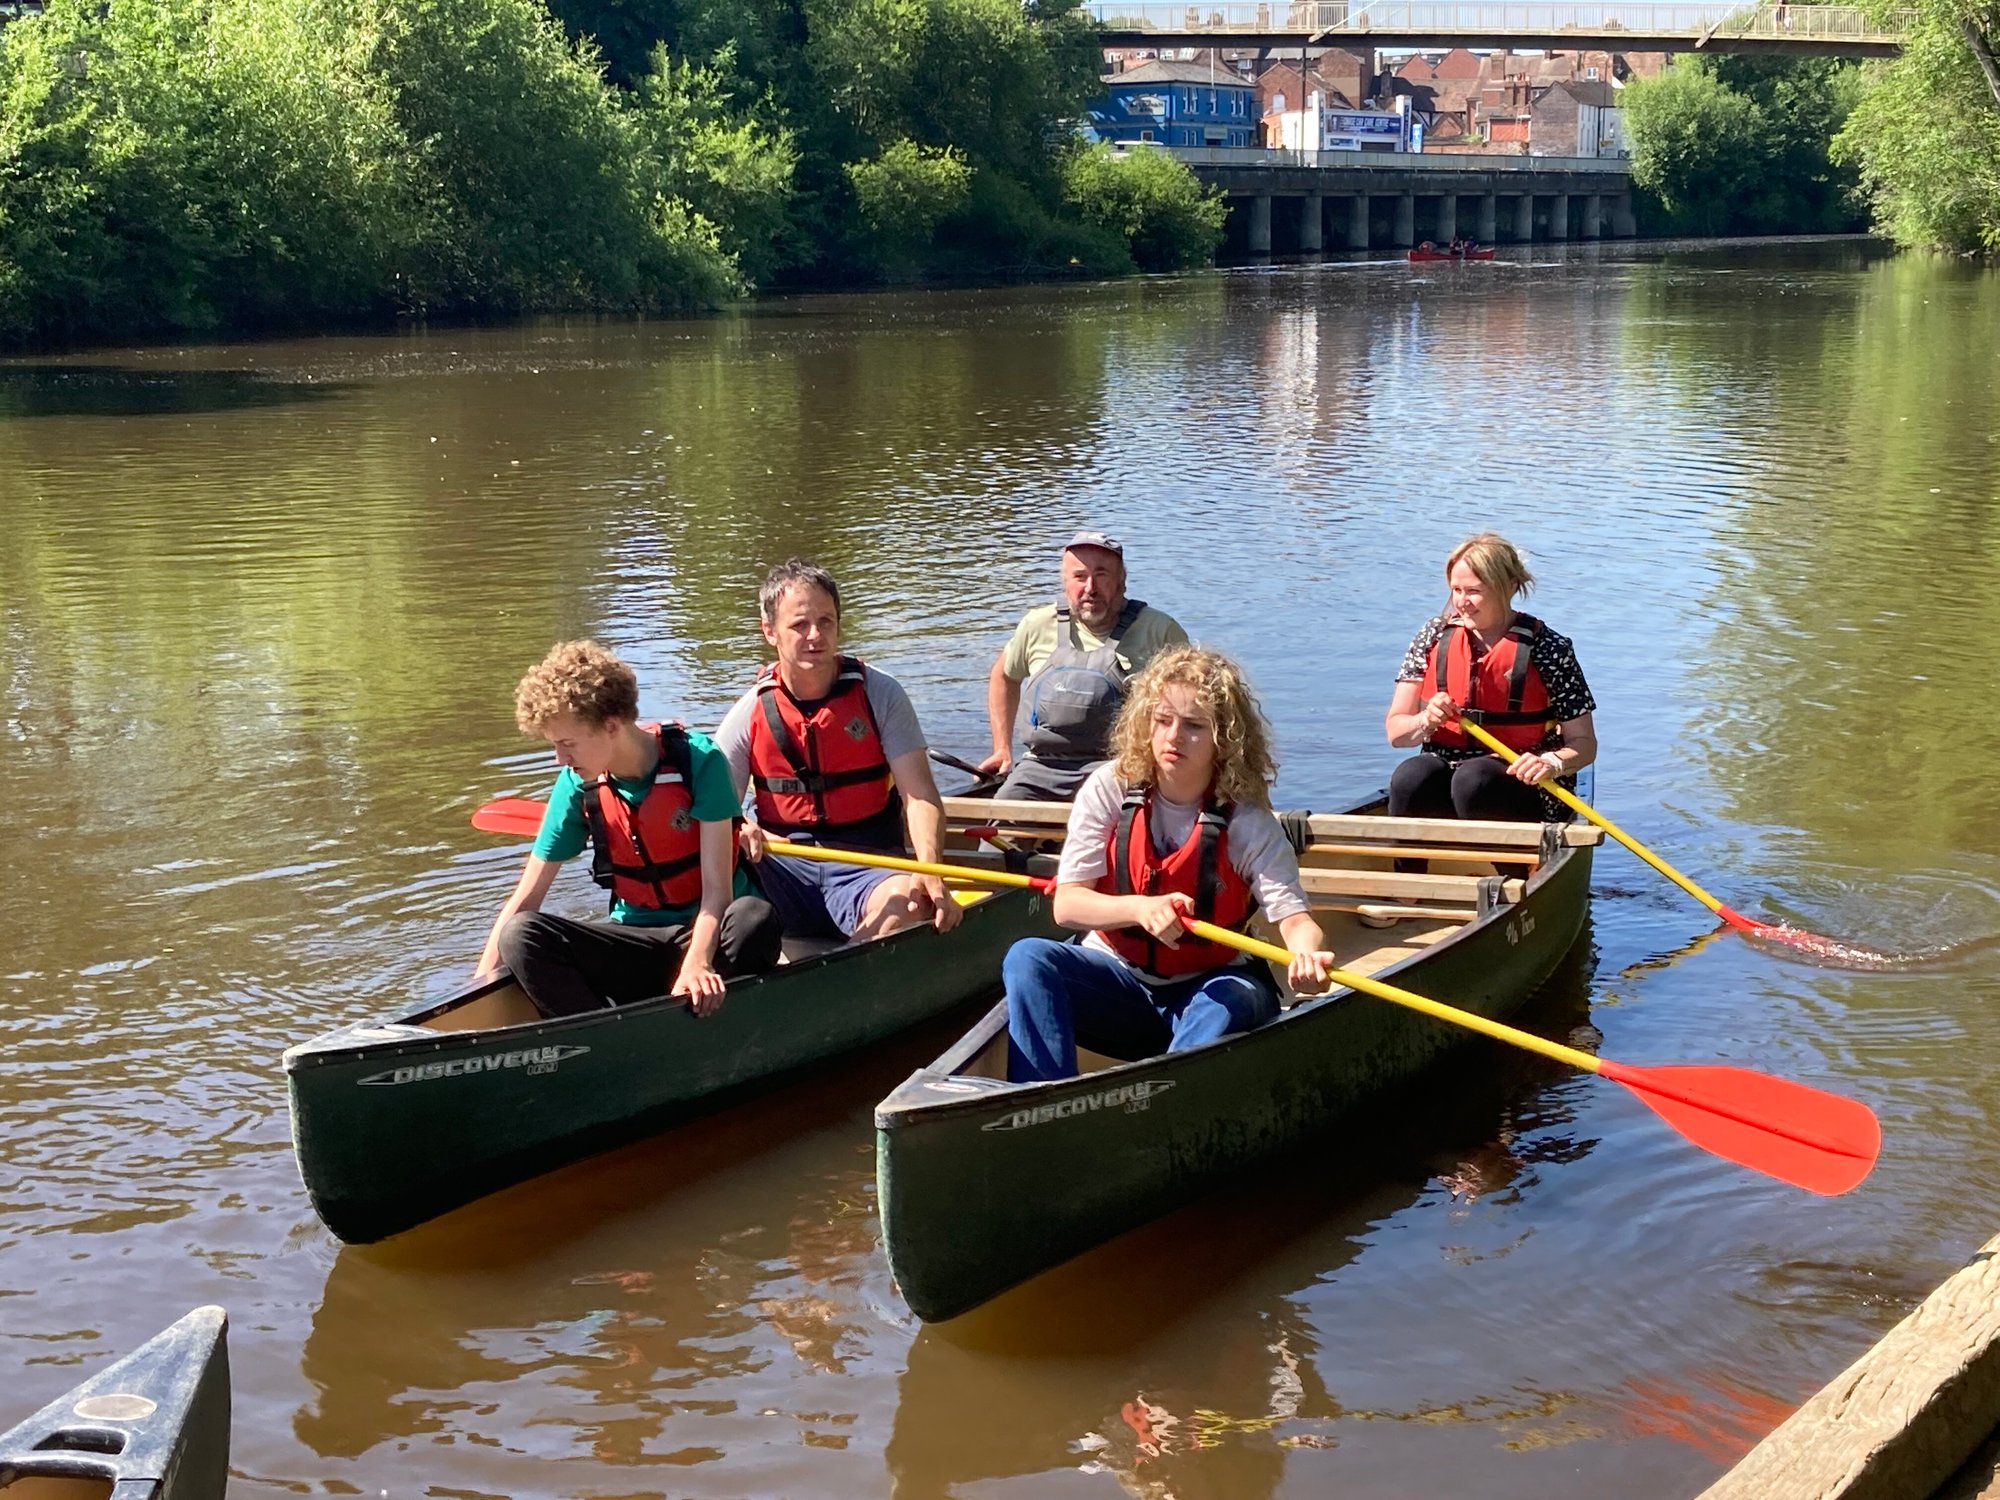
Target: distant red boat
point(1431, 252)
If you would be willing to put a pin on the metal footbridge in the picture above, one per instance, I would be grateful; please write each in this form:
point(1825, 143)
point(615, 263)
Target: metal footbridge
point(1671, 26)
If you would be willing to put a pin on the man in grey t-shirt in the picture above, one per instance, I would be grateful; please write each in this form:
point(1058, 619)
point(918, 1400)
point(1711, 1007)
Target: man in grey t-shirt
point(831, 753)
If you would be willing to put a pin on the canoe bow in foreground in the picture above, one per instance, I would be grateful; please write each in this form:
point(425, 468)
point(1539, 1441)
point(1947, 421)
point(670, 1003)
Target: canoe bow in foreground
point(984, 1183)
point(154, 1426)
point(401, 1118)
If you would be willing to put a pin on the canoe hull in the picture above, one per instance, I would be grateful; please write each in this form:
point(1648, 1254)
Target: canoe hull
point(394, 1123)
point(980, 1189)
point(153, 1426)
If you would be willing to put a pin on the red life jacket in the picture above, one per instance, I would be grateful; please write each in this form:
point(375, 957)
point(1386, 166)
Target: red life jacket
point(1502, 692)
point(1199, 868)
point(649, 855)
point(819, 767)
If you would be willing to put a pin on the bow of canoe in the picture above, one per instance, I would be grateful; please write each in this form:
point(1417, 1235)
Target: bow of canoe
point(153, 1426)
point(983, 1183)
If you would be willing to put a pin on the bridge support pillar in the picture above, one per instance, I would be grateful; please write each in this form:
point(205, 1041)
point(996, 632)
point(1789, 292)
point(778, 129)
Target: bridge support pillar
point(1623, 224)
point(1489, 219)
point(1593, 216)
point(1260, 224)
point(1447, 218)
point(1357, 222)
point(1524, 218)
point(1311, 237)
point(1559, 216)
point(1406, 221)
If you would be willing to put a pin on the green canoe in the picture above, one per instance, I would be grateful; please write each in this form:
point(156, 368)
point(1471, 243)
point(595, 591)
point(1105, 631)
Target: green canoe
point(400, 1118)
point(983, 1183)
point(153, 1426)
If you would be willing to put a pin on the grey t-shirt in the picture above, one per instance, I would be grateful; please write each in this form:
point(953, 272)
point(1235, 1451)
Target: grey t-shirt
point(1258, 849)
point(894, 717)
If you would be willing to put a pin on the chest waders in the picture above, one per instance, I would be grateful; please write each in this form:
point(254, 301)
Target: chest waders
point(1069, 706)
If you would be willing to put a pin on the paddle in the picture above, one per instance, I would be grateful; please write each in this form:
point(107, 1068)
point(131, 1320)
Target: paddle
point(1776, 932)
point(522, 817)
point(982, 781)
point(1805, 1136)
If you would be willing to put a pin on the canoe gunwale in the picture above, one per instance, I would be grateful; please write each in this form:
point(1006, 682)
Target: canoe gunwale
point(348, 1044)
point(898, 1110)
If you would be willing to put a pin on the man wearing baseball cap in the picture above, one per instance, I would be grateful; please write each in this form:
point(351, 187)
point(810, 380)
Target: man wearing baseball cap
point(1058, 682)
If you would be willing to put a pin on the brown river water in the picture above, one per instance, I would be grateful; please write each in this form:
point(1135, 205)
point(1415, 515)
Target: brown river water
point(262, 607)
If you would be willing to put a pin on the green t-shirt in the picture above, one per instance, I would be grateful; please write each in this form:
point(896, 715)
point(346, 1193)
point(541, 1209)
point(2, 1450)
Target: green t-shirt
point(565, 833)
point(1034, 640)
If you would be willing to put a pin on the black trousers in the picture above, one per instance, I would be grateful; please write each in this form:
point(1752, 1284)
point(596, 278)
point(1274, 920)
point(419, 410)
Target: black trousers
point(568, 967)
point(1428, 786)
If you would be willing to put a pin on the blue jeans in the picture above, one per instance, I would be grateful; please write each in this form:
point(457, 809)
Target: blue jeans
point(1060, 993)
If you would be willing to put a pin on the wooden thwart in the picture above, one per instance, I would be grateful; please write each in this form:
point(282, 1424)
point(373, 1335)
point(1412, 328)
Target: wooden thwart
point(1393, 883)
point(1899, 1421)
point(1046, 819)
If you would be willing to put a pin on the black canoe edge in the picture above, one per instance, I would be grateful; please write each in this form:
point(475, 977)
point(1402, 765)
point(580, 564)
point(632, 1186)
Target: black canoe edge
point(153, 1426)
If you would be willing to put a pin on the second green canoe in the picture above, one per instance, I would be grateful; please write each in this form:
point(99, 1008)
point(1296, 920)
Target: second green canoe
point(983, 1183)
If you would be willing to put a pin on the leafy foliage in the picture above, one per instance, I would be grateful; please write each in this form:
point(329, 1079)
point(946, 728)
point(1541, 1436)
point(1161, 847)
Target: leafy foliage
point(174, 166)
point(1149, 199)
point(904, 194)
point(1926, 137)
point(1741, 145)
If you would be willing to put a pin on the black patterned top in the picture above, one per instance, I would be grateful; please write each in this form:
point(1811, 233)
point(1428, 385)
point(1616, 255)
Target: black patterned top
point(1554, 658)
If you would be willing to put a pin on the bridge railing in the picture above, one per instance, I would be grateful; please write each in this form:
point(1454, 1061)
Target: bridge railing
point(1393, 161)
point(1691, 18)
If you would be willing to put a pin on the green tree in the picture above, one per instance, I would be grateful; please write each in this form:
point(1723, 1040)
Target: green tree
point(1151, 201)
point(731, 166)
point(171, 168)
point(1926, 135)
point(904, 194)
point(1697, 147)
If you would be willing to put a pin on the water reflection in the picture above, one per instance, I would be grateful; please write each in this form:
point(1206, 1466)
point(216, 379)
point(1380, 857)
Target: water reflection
point(261, 607)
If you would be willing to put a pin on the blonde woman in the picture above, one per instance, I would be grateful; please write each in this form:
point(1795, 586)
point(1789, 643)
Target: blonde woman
point(1484, 660)
point(1179, 823)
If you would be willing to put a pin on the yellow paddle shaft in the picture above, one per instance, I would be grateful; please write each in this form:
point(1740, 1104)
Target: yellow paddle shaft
point(909, 866)
point(1389, 992)
point(1566, 796)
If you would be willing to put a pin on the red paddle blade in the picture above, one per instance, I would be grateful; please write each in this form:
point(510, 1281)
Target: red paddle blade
point(520, 816)
point(1830, 951)
point(1805, 1136)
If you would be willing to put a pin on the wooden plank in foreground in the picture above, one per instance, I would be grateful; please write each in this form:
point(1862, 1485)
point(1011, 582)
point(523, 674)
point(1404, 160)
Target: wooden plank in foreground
point(1900, 1420)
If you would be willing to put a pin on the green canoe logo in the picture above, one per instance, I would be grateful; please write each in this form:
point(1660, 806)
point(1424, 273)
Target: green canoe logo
point(1131, 1097)
point(533, 1059)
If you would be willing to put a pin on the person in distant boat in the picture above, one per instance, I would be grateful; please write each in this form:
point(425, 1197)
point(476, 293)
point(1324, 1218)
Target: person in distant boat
point(830, 751)
point(1485, 661)
point(1063, 674)
point(657, 807)
point(1179, 823)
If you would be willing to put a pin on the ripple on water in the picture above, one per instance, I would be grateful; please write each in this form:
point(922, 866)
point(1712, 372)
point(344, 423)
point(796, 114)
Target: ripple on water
point(260, 615)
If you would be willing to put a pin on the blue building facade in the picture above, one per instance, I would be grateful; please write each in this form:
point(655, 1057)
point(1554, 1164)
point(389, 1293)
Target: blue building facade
point(1176, 104)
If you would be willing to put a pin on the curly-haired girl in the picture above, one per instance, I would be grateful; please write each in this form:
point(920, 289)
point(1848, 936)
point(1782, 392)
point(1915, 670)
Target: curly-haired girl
point(1178, 824)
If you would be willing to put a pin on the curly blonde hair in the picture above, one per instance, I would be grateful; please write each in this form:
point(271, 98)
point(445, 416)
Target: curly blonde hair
point(1244, 765)
point(579, 678)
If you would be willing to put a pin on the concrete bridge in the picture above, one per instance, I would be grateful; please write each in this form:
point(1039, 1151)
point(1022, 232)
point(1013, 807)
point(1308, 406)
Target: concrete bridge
point(1307, 201)
point(1613, 26)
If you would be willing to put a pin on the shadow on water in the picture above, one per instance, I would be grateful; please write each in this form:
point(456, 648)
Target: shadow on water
point(1151, 1354)
point(118, 391)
